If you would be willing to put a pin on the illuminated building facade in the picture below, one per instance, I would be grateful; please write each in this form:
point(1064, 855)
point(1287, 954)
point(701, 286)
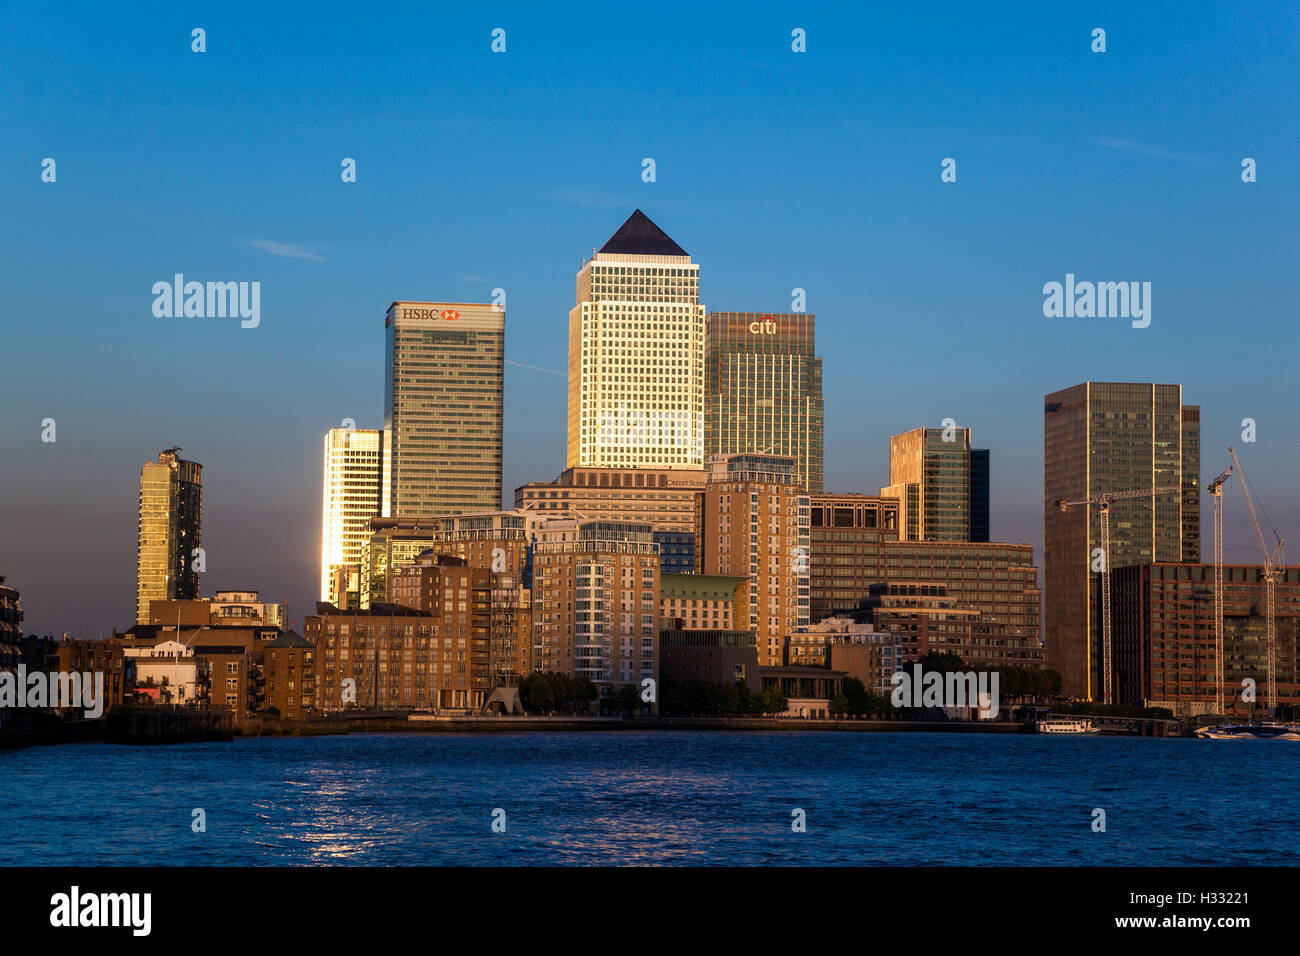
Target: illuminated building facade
point(636, 355)
point(763, 389)
point(351, 497)
point(170, 529)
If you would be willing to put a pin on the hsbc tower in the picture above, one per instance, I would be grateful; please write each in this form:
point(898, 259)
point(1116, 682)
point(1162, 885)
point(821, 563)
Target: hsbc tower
point(443, 391)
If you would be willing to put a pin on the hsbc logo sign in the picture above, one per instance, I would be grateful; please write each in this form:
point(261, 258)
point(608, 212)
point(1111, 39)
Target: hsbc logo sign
point(450, 315)
point(764, 326)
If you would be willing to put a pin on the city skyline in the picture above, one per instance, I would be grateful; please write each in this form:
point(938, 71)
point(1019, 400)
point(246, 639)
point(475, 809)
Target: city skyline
point(507, 492)
point(928, 294)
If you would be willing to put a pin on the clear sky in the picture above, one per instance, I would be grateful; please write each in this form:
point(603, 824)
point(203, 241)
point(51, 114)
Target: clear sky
point(478, 170)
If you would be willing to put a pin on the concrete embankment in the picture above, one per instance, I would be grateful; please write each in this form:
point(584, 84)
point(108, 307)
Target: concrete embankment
point(16, 738)
point(158, 726)
point(163, 726)
point(50, 729)
point(424, 723)
point(490, 725)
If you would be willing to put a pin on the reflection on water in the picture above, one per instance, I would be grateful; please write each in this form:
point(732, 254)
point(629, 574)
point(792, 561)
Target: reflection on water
point(627, 798)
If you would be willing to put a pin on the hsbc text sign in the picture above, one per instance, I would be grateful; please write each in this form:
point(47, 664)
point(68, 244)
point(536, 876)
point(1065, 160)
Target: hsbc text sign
point(451, 315)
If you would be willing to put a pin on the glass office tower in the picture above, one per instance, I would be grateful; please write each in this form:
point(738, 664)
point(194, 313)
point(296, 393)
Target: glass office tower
point(763, 389)
point(1101, 438)
point(930, 475)
point(443, 393)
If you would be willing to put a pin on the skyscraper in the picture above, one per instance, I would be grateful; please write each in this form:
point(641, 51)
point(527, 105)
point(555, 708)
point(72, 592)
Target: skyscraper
point(930, 475)
point(1100, 438)
point(443, 392)
point(763, 389)
point(636, 355)
point(353, 486)
point(171, 521)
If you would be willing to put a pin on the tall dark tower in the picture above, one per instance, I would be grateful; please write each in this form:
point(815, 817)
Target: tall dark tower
point(1102, 438)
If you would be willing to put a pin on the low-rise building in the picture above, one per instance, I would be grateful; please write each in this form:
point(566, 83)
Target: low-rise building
point(853, 647)
point(224, 609)
point(290, 671)
point(927, 619)
point(170, 673)
point(808, 690)
point(97, 657)
point(234, 652)
point(390, 657)
point(714, 656)
point(235, 675)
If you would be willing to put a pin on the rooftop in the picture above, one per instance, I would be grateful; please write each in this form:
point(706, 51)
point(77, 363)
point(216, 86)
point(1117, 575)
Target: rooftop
point(641, 237)
point(291, 639)
point(713, 586)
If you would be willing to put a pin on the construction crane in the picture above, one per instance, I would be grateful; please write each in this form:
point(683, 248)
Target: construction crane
point(1215, 488)
point(1103, 503)
point(1271, 562)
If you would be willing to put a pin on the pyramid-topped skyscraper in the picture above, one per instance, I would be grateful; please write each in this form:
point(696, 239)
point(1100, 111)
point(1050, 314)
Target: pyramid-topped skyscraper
point(636, 355)
point(639, 236)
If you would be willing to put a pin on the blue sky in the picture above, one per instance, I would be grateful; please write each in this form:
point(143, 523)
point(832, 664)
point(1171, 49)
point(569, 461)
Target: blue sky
point(477, 170)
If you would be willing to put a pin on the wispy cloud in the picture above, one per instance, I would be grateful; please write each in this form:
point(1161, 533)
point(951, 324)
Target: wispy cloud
point(285, 249)
point(1128, 146)
point(535, 368)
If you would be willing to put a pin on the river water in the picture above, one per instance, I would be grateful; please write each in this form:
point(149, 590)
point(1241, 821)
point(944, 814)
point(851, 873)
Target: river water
point(654, 798)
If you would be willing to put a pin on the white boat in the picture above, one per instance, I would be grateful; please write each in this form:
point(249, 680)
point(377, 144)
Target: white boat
point(1267, 730)
point(1065, 725)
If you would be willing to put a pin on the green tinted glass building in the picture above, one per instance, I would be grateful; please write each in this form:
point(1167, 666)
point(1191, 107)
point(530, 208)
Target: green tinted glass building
point(763, 389)
point(941, 484)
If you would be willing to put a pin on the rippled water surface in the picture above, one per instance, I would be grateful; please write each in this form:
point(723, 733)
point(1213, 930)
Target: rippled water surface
point(654, 798)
